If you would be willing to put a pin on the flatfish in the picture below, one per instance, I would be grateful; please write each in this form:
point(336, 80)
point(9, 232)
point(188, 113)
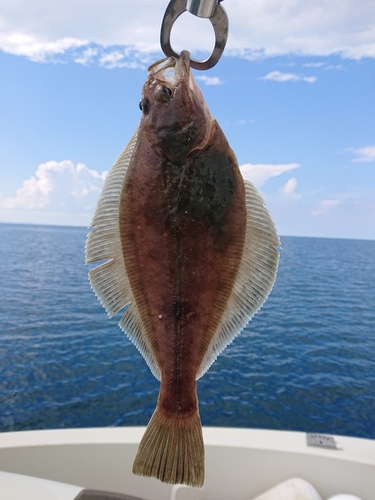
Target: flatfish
point(190, 252)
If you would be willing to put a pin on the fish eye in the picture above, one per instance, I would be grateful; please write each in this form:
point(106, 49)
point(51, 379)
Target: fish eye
point(144, 105)
point(162, 93)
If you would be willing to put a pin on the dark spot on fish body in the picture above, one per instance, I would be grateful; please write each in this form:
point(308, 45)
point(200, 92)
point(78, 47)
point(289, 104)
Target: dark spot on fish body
point(176, 144)
point(211, 186)
point(178, 310)
point(200, 191)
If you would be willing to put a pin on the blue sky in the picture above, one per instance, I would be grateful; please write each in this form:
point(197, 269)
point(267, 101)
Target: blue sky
point(294, 94)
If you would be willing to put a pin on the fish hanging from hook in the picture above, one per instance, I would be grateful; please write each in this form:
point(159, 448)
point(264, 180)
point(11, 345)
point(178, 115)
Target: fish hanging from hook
point(190, 255)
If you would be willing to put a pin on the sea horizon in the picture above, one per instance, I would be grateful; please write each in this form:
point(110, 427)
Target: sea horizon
point(88, 228)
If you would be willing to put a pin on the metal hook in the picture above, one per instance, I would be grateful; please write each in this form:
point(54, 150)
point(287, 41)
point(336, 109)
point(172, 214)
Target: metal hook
point(202, 8)
point(212, 10)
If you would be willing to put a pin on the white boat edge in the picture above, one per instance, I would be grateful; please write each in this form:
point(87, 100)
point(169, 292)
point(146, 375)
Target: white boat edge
point(240, 463)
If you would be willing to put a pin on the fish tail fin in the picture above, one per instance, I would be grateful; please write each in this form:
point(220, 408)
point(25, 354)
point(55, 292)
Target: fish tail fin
point(172, 449)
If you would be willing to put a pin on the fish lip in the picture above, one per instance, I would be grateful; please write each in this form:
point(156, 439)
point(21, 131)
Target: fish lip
point(181, 69)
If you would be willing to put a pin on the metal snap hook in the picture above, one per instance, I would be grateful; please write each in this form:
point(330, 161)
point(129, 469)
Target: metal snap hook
point(212, 10)
point(202, 8)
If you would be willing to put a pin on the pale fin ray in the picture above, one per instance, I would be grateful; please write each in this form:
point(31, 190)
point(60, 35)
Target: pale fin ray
point(131, 324)
point(255, 278)
point(109, 280)
point(112, 290)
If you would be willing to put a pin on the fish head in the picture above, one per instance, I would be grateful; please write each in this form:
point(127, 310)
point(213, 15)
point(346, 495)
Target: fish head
point(175, 116)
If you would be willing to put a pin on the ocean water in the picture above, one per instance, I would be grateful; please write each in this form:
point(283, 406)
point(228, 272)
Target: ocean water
point(305, 362)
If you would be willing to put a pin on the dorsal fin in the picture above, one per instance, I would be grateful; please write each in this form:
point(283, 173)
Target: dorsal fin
point(109, 280)
point(255, 278)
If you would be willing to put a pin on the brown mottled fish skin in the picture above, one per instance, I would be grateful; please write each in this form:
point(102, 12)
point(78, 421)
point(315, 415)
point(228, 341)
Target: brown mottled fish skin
point(182, 226)
point(188, 248)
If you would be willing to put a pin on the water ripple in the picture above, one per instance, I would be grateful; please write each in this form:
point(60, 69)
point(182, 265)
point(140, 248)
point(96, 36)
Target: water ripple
point(305, 362)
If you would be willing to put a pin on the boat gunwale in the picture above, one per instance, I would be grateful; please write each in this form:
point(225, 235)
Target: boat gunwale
point(359, 450)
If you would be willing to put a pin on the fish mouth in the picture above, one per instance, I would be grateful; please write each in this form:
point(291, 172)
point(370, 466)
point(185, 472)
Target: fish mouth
point(172, 71)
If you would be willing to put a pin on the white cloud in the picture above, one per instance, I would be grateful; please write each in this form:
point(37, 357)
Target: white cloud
point(314, 65)
point(289, 189)
point(278, 76)
point(259, 173)
point(87, 56)
point(325, 207)
point(112, 60)
point(364, 155)
point(122, 58)
point(58, 186)
point(318, 27)
point(38, 50)
point(325, 66)
point(42, 29)
point(210, 80)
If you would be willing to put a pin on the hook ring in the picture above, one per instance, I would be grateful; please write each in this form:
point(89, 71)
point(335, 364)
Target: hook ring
point(219, 21)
